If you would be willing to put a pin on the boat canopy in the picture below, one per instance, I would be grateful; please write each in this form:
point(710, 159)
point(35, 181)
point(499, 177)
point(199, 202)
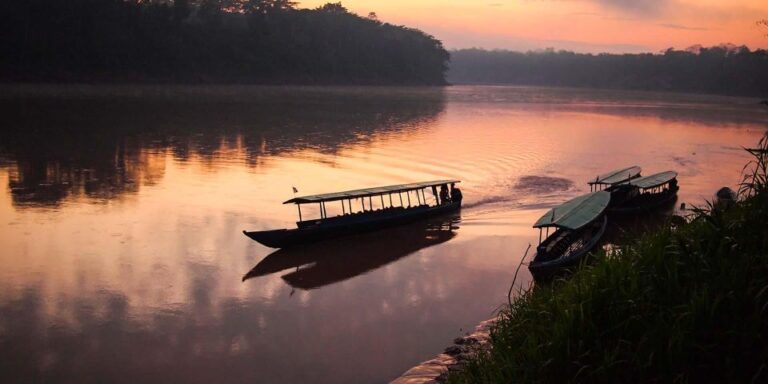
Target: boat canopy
point(617, 176)
point(577, 212)
point(356, 193)
point(654, 180)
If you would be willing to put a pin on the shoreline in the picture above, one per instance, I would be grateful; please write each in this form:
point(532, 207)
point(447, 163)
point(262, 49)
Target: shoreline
point(453, 358)
point(684, 302)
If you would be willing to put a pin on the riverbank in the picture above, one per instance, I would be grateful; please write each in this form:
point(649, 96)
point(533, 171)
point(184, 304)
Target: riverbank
point(683, 304)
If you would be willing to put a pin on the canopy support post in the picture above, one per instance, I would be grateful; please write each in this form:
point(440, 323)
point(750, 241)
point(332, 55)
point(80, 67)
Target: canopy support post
point(408, 193)
point(343, 210)
point(539, 236)
point(382, 201)
point(401, 199)
point(390, 201)
point(299, 206)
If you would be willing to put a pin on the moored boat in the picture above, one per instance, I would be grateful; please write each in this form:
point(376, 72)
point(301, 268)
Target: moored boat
point(381, 207)
point(614, 177)
point(644, 194)
point(579, 224)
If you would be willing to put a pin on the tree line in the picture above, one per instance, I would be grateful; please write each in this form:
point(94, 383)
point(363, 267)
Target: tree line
point(720, 69)
point(206, 41)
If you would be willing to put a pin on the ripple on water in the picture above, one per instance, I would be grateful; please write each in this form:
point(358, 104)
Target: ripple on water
point(528, 192)
point(543, 184)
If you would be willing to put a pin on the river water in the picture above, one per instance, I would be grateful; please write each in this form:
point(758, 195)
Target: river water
point(122, 208)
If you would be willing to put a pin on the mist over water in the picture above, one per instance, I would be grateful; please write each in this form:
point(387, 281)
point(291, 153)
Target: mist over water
point(122, 209)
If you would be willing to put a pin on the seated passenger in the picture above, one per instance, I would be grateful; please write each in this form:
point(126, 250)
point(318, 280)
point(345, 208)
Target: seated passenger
point(455, 193)
point(444, 199)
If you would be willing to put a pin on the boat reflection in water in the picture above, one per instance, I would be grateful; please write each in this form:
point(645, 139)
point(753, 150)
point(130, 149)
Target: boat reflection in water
point(332, 261)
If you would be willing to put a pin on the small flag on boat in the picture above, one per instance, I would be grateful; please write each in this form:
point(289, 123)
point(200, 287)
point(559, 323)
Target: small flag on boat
point(295, 190)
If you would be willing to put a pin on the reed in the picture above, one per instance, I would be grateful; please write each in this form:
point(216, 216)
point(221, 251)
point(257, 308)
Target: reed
point(680, 304)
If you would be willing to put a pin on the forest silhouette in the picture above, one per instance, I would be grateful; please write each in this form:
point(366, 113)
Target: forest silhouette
point(210, 41)
point(275, 42)
point(724, 69)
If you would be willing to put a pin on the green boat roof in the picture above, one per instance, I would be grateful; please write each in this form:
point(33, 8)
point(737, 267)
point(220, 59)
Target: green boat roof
point(577, 212)
point(357, 193)
point(617, 176)
point(654, 180)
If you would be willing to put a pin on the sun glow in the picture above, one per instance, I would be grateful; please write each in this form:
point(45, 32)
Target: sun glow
point(579, 25)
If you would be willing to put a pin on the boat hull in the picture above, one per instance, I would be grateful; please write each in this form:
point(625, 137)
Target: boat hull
point(345, 226)
point(651, 203)
point(546, 270)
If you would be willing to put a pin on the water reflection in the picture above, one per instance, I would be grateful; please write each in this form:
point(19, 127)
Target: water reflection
point(122, 210)
point(336, 260)
point(102, 142)
point(41, 177)
point(700, 109)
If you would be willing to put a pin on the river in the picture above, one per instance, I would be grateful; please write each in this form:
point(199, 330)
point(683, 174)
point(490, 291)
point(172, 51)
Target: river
point(122, 210)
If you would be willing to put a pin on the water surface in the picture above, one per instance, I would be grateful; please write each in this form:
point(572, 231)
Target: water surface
point(122, 208)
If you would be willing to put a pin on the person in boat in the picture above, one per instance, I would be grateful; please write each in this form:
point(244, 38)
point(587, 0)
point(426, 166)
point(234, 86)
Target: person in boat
point(455, 193)
point(444, 197)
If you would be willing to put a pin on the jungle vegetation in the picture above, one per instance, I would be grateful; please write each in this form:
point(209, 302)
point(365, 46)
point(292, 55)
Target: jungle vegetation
point(724, 69)
point(210, 41)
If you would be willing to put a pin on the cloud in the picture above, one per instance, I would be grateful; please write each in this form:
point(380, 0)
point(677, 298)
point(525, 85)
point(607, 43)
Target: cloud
point(637, 7)
point(620, 18)
point(458, 39)
point(583, 14)
point(683, 27)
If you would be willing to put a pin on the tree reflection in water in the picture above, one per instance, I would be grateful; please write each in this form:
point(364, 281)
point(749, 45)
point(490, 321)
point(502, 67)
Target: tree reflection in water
point(102, 142)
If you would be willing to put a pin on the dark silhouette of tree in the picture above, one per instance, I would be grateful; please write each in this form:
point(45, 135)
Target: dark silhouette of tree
point(332, 8)
point(181, 10)
point(265, 7)
point(210, 11)
point(250, 41)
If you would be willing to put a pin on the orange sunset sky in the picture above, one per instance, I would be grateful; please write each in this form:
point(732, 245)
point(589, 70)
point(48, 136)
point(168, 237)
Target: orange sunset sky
point(577, 25)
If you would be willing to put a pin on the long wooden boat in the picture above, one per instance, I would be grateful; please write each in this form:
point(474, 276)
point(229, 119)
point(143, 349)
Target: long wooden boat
point(644, 194)
point(380, 207)
point(579, 224)
point(614, 177)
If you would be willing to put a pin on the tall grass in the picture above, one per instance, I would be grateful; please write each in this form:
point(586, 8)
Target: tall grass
point(686, 304)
